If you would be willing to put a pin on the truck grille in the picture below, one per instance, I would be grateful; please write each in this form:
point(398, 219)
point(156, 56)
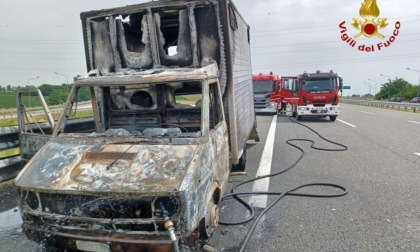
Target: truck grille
point(103, 213)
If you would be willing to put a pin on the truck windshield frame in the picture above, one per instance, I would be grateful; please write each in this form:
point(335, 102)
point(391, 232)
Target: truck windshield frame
point(315, 85)
point(262, 86)
point(134, 110)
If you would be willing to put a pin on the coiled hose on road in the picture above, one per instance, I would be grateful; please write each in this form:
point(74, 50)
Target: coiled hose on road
point(280, 195)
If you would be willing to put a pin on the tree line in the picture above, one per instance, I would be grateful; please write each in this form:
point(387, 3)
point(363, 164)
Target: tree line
point(397, 88)
point(53, 94)
point(59, 94)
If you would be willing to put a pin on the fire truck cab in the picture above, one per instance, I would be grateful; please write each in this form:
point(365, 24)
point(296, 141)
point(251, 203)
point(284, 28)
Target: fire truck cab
point(318, 95)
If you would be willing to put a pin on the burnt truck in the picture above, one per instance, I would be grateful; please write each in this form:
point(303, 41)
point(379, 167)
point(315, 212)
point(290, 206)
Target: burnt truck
point(172, 104)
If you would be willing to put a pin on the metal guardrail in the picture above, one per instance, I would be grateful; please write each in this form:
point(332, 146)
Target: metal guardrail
point(38, 112)
point(415, 107)
point(9, 166)
point(9, 139)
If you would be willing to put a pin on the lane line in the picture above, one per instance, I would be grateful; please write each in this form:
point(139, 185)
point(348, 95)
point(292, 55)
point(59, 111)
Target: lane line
point(414, 122)
point(349, 124)
point(418, 154)
point(264, 168)
point(361, 111)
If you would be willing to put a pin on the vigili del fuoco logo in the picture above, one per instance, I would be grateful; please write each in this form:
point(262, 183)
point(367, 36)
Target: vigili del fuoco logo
point(371, 25)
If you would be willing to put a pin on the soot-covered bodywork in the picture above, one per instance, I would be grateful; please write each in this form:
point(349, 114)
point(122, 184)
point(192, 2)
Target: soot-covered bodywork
point(115, 184)
point(172, 109)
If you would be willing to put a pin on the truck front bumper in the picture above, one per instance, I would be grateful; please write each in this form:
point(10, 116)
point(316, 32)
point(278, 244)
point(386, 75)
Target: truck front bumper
point(98, 241)
point(310, 110)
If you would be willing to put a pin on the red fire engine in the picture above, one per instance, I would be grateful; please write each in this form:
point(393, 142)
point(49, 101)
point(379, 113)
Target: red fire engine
point(318, 95)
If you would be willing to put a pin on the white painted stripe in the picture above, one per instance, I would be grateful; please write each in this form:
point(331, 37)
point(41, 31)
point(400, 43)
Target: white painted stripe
point(361, 111)
point(349, 124)
point(264, 168)
point(414, 122)
point(418, 154)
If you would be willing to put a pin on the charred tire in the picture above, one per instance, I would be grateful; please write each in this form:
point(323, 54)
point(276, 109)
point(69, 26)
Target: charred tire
point(299, 118)
point(332, 118)
point(210, 222)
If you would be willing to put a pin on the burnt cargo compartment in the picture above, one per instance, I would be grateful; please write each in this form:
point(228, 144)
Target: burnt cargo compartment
point(172, 102)
point(168, 34)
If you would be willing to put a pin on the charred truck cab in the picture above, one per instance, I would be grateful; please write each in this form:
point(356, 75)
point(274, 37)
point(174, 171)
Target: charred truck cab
point(318, 95)
point(151, 171)
point(264, 86)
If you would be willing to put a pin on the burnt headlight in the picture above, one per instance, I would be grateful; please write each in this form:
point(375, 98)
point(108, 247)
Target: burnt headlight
point(31, 199)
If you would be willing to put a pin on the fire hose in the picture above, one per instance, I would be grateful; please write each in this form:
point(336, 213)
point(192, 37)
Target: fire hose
point(281, 195)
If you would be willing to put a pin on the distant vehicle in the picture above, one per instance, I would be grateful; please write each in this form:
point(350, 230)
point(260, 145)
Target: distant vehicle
point(318, 95)
point(264, 85)
point(285, 93)
point(355, 95)
point(415, 100)
point(395, 99)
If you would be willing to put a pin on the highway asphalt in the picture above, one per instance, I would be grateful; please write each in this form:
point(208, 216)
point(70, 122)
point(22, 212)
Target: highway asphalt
point(380, 169)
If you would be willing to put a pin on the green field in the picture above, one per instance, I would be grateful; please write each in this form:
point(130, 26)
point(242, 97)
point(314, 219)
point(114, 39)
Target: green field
point(8, 100)
point(43, 118)
point(187, 99)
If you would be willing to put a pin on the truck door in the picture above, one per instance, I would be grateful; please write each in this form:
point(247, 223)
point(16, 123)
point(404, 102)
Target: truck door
point(289, 90)
point(218, 132)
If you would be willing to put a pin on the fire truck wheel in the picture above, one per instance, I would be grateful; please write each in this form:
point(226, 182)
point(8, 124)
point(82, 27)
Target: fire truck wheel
point(332, 118)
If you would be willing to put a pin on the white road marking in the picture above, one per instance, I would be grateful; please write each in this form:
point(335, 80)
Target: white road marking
point(264, 168)
point(418, 154)
point(414, 122)
point(361, 111)
point(349, 124)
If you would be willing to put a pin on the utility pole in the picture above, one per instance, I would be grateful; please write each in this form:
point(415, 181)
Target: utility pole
point(418, 89)
point(375, 85)
point(368, 85)
point(389, 85)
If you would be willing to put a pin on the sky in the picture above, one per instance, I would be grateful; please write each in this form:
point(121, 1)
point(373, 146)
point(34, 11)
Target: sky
point(44, 39)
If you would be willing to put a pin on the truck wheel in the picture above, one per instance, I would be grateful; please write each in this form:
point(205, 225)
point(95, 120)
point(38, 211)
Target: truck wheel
point(242, 162)
point(210, 222)
point(299, 118)
point(332, 118)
